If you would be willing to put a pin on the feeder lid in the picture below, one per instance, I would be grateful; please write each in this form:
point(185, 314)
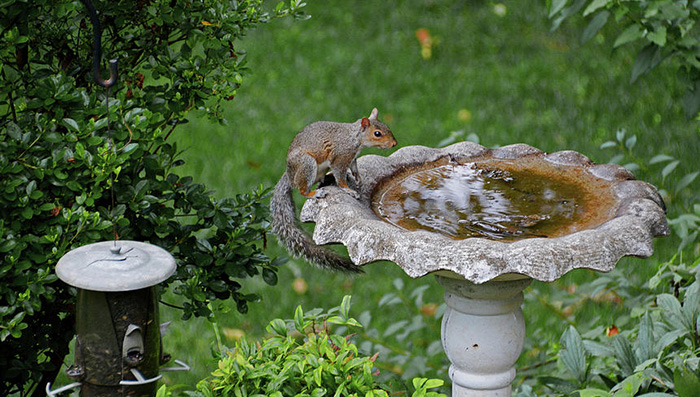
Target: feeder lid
point(114, 266)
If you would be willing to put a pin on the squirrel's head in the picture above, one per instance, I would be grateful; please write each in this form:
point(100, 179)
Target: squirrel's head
point(375, 133)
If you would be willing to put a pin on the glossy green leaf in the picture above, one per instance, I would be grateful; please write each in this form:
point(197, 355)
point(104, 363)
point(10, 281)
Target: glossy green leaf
point(594, 26)
point(594, 6)
point(632, 33)
point(647, 59)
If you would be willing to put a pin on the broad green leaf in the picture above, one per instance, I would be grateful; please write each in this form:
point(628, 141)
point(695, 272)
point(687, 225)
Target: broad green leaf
point(608, 144)
point(669, 168)
point(336, 320)
point(299, 319)
point(398, 284)
point(345, 306)
point(616, 158)
point(669, 338)
point(660, 158)
point(567, 12)
point(163, 391)
point(595, 5)
point(630, 386)
point(418, 382)
point(686, 180)
point(686, 382)
point(593, 393)
point(130, 147)
point(674, 9)
point(626, 359)
point(431, 383)
point(646, 60)
point(598, 349)
point(691, 97)
point(691, 304)
point(645, 339)
point(632, 33)
point(72, 124)
point(389, 299)
point(558, 384)
point(556, 6)
point(620, 134)
point(594, 26)
point(573, 354)
point(395, 327)
point(30, 187)
point(670, 304)
point(317, 375)
point(658, 36)
point(277, 326)
point(631, 166)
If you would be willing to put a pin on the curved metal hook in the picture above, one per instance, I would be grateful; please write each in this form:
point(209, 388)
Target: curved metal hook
point(97, 50)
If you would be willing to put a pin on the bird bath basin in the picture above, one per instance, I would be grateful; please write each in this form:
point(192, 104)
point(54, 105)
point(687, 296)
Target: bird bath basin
point(485, 223)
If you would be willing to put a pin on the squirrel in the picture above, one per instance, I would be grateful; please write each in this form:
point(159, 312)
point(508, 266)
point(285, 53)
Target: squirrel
point(318, 147)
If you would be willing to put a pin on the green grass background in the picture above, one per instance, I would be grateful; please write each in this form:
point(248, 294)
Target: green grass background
point(519, 81)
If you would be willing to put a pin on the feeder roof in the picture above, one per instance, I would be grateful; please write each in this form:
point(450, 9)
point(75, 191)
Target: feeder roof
point(115, 266)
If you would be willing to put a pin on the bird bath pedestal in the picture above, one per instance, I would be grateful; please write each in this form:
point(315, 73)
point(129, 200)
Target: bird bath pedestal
point(485, 223)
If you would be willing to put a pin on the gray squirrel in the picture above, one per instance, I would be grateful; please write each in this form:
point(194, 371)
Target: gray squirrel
point(318, 147)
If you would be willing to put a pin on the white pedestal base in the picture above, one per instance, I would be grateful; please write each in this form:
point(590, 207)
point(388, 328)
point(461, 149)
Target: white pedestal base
point(483, 332)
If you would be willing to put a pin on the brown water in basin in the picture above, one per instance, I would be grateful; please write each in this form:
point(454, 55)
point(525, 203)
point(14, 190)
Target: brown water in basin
point(493, 198)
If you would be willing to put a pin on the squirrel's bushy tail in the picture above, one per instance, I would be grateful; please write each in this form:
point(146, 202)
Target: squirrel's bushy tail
point(293, 237)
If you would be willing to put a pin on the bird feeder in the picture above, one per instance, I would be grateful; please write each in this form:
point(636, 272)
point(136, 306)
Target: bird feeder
point(118, 349)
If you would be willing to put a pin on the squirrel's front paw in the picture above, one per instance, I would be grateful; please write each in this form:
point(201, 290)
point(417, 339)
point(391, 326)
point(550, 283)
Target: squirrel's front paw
point(354, 194)
point(320, 193)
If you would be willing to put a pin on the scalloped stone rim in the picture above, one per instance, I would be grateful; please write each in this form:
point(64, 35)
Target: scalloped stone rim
point(342, 219)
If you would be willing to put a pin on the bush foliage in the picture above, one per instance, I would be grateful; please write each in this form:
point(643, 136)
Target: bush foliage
point(312, 355)
point(79, 164)
point(666, 28)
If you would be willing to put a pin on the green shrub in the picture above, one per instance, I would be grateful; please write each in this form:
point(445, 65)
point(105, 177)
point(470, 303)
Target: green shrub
point(657, 355)
point(666, 28)
point(76, 169)
point(310, 355)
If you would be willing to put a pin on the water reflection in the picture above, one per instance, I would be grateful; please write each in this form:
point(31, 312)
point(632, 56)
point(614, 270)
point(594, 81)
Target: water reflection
point(479, 200)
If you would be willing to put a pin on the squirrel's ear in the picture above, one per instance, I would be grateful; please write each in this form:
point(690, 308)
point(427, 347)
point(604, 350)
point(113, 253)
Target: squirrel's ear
point(373, 115)
point(365, 122)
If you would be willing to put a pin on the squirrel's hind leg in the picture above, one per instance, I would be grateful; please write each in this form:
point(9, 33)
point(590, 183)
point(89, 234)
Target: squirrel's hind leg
point(306, 175)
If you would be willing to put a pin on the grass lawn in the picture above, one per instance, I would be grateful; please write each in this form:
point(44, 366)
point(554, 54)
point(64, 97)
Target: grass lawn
point(498, 72)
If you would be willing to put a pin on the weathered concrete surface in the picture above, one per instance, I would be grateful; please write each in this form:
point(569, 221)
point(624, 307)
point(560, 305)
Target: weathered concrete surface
point(340, 218)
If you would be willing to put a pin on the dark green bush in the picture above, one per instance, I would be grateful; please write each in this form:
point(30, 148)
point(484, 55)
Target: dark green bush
point(75, 169)
point(311, 355)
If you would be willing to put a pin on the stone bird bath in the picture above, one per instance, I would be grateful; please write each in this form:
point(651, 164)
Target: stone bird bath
point(486, 222)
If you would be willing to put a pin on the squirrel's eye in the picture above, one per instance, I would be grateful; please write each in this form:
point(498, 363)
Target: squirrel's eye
point(377, 133)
